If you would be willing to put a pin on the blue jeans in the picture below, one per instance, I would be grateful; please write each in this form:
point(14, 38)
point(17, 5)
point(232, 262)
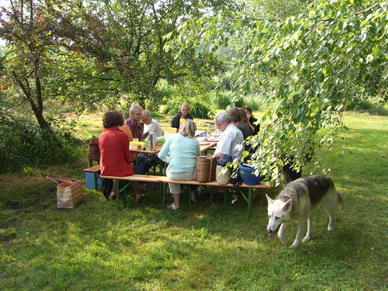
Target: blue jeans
point(144, 163)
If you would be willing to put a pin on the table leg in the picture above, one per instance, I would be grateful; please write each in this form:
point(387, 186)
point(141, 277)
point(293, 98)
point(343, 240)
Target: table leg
point(249, 203)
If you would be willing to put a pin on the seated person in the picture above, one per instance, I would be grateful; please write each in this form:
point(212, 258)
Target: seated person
point(114, 151)
point(150, 125)
point(230, 138)
point(181, 117)
point(240, 122)
point(180, 152)
point(251, 120)
point(143, 162)
point(134, 121)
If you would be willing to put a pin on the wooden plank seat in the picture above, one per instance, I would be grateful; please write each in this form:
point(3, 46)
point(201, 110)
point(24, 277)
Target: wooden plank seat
point(163, 180)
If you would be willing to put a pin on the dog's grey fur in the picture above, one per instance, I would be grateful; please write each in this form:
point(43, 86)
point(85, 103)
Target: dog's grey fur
point(296, 202)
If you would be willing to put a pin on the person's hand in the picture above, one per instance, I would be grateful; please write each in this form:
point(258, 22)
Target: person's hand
point(217, 155)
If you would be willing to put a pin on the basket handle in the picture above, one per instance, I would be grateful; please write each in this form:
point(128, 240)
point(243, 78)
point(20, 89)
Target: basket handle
point(59, 180)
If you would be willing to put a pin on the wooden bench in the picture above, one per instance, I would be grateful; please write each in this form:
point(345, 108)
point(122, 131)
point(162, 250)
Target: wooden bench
point(163, 180)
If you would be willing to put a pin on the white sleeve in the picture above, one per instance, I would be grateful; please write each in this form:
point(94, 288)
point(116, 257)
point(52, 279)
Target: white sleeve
point(224, 145)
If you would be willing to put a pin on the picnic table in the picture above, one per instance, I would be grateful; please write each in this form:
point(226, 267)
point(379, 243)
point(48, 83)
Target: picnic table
point(203, 147)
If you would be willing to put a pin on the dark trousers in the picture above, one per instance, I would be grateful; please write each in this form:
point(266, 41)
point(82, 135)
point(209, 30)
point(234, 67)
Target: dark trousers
point(145, 162)
point(108, 187)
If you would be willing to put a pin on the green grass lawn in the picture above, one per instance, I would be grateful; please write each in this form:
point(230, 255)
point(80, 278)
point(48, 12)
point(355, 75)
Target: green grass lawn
point(203, 246)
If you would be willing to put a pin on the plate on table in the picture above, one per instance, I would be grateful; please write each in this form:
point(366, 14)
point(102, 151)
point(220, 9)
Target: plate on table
point(213, 139)
point(204, 142)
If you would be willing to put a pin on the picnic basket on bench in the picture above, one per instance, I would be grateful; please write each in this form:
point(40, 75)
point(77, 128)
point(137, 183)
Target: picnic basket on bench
point(205, 169)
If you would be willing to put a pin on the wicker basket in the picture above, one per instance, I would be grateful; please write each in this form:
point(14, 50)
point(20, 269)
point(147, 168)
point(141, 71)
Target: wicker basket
point(69, 194)
point(205, 169)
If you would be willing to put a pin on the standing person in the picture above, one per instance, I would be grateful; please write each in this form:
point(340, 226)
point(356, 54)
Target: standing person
point(230, 139)
point(236, 118)
point(180, 152)
point(150, 125)
point(252, 120)
point(114, 151)
point(181, 117)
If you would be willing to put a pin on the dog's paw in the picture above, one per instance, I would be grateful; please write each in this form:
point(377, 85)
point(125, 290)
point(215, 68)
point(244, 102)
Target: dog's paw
point(306, 238)
point(283, 239)
point(294, 245)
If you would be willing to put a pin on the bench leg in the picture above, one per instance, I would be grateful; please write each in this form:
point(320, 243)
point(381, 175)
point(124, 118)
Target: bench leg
point(116, 189)
point(249, 203)
point(164, 186)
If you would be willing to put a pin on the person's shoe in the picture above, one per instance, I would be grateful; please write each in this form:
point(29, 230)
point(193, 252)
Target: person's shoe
point(193, 196)
point(139, 198)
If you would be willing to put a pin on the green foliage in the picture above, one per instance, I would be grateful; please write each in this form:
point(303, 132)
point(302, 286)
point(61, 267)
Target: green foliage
point(223, 99)
point(254, 102)
point(373, 105)
point(308, 66)
point(23, 143)
point(198, 108)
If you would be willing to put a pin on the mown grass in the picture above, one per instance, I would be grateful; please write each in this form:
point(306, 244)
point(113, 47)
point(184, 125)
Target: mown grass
point(202, 246)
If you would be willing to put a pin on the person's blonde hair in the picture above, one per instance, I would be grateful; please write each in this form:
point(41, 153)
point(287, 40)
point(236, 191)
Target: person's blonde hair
point(133, 108)
point(188, 128)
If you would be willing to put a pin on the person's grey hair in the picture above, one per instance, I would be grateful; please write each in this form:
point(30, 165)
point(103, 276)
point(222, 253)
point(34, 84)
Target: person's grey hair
point(223, 117)
point(135, 107)
point(188, 128)
point(146, 113)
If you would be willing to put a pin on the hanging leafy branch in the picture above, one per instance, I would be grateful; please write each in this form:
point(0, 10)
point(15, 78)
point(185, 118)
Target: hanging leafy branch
point(307, 68)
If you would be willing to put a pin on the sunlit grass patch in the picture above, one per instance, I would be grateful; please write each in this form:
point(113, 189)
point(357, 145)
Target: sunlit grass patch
point(206, 246)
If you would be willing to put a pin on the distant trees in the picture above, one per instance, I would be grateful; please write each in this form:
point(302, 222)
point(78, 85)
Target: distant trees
point(99, 51)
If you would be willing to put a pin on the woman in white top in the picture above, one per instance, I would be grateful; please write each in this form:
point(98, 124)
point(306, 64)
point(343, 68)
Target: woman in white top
point(150, 125)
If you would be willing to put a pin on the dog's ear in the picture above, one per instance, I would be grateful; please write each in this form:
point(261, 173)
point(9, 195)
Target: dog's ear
point(269, 199)
point(287, 206)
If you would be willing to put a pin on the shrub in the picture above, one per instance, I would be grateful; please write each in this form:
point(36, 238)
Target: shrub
point(227, 98)
point(197, 108)
point(23, 143)
point(254, 102)
point(373, 105)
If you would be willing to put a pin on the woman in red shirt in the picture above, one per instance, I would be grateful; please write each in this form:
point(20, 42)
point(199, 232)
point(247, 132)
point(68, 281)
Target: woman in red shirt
point(115, 159)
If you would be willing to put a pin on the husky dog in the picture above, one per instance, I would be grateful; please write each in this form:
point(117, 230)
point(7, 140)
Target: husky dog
point(296, 201)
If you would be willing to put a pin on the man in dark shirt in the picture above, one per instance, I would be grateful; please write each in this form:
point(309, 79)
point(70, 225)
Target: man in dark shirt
point(181, 117)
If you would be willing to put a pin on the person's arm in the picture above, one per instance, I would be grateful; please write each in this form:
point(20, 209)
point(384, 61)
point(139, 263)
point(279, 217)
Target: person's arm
point(224, 146)
point(127, 131)
point(158, 129)
point(163, 154)
point(197, 148)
